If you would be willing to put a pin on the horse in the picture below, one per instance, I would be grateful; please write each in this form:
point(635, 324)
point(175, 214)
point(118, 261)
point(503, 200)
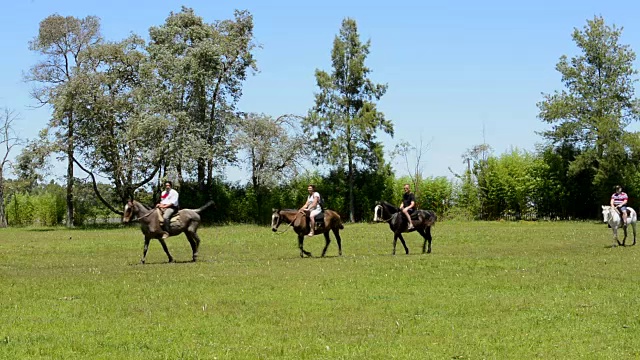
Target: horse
point(327, 220)
point(185, 220)
point(613, 218)
point(422, 221)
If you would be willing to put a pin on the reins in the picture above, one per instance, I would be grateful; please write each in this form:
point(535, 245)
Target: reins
point(288, 226)
point(384, 210)
point(285, 230)
point(144, 216)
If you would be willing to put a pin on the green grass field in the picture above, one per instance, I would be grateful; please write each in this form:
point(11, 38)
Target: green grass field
point(491, 290)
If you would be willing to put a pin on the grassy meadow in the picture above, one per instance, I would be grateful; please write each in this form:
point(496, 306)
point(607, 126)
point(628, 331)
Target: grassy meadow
point(489, 290)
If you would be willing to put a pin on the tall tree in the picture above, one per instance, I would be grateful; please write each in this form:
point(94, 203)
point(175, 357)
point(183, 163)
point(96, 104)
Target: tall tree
point(201, 68)
point(593, 112)
point(62, 42)
point(344, 121)
point(119, 134)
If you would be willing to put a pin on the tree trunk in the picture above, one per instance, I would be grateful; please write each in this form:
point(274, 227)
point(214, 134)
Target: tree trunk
point(70, 148)
point(202, 169)
point(179, 171)
point(351, 197)
point(209, 174)
point(3, 215)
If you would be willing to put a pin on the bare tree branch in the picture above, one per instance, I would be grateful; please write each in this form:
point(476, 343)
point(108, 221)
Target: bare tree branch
point(95, 188)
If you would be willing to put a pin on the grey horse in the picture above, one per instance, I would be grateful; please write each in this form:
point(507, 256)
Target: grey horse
point(186, 220)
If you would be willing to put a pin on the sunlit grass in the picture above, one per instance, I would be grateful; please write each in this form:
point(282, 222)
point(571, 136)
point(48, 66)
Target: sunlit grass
point(488, 290)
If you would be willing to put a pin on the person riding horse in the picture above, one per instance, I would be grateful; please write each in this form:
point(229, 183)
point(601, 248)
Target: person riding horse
point(408, 205)
point(619, 201)
point(168, 205)
point(312, 206)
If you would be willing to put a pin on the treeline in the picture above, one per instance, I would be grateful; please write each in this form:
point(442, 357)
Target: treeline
point(135, 113)
point(514, 185)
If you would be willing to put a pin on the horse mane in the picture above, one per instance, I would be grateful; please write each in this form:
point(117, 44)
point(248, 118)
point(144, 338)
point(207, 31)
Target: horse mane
point(388, 206)
point(141, 204)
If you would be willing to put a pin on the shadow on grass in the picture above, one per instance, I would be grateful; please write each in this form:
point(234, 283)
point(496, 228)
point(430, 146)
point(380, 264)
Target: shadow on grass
point(81, 228)
point(168, 263)
point(102, 226)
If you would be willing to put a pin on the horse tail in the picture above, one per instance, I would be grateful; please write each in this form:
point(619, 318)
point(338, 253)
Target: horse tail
point(432, 217)
point(209, 203)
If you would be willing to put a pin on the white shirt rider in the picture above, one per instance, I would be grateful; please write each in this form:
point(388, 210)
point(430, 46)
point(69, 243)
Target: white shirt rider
point(314, 197)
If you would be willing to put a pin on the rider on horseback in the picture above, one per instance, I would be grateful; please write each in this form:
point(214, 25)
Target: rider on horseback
point(169, 205)
point(312, 206)
point(408, 204)
point(619, 201)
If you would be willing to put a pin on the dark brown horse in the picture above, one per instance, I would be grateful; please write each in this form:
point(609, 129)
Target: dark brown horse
point(326, 221)
point(186, 220)
point(422, 221)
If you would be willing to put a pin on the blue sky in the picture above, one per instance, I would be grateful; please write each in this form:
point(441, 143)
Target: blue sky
point(460, 73)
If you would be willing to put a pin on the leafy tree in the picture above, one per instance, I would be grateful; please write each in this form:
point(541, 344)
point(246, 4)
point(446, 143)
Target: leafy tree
point(509, 183)
point(598, 104)
point(469, 195)
point(62, 42)
point(274, 150)
point(31, 165)
point(344, 120)
point(117, 131)
point(200, 69)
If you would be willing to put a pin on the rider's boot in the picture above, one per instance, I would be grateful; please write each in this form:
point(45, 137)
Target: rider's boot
point(165, 226)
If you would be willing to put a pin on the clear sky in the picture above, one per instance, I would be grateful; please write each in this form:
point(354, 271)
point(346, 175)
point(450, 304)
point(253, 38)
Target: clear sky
point(460, 73)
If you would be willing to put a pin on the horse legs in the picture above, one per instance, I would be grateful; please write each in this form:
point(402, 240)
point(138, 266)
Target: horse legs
point(624, 240)
point(397, 236)
point(633, 225)
point(615, 236)
point(194, 241)
point(327, 240)
point(336, 233)
point(166, 249)
point(301, 246)
point(146, 248)
point(426, 234)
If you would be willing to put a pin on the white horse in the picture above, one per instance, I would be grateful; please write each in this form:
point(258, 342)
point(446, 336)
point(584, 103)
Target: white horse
point(612, 217)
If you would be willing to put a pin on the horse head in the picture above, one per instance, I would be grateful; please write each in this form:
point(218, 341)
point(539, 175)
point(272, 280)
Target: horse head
point(609, 214)
point(128, 211)
point(377, 213)
point(383, 211)
point(276, 219)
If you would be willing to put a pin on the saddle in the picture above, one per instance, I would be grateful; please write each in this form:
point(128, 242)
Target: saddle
point(175, 218)
point(626, 210)
point(319, 220)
